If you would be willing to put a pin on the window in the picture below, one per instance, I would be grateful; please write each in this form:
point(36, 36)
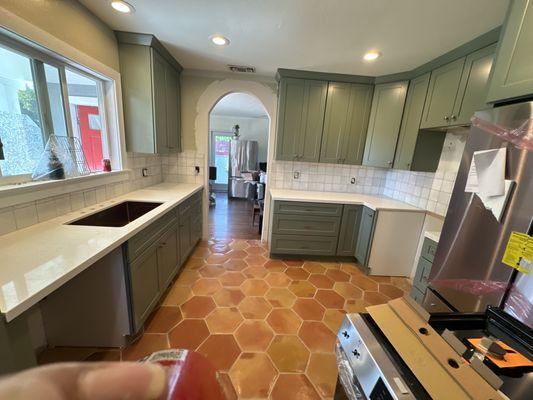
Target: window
point(40, 96)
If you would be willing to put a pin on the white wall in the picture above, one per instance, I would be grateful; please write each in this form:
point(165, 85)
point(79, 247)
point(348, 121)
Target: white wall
point(251, 129)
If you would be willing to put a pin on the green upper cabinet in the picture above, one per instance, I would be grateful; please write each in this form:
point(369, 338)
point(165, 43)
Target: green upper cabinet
point(442, 92)
point(301, 108)
point(512, 74)
point(345, 123)
point(414, 106)
point(150, 93)
point(384, 124)
point(472, 95)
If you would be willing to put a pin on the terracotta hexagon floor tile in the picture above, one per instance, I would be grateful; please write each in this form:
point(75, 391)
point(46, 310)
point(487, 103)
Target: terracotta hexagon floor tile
point(228, 297)
point(164, 319)
point(187, 277)
point(302, 288)
point(355, 306)
point(254, 287)
point(317, 337)
point(237, 254)
point(288, 353)
point(380, 279)
point(277, 279)
point(337, 275)
point(231, 279)
point(375, 298)
point(390, 291)
point(275, 266)
point(238, 245)
point(309, 309)
point(227, 385)
point(147, 344)
point(224, 320)
point(284, 321)
point(255, 272)
point(211, 271)
point(331, 264)
point(364, 283)
point(352, 268)
point(321, 281)
point(314, 267)
point(255, 260)
point(255, 250)
point(188, 334)
point(220, 247)
point(217, 258)
point(280, 297)
point(297, 273)
point(322, 371)
point(347, 290)
point(197, 307)
point(254, 308)
point(235, 265)
point(333, 319)
point(401, 283)
point(177, 295)
point(194, 263)
point(201, 252)
point(293, 263)
point(254, 335)
point(329, 298)
point(221, 350)
point(253, 375)
point(292, 387)
point(206, 287)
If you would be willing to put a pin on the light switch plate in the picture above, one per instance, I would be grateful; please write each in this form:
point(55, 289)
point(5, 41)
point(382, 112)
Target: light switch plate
point(296, 175)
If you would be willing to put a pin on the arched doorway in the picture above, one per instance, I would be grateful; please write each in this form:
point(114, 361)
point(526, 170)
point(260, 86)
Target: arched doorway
point(266, 94)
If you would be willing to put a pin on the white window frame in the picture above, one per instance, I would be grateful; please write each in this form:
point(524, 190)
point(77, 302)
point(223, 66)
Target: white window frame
point(106, 99)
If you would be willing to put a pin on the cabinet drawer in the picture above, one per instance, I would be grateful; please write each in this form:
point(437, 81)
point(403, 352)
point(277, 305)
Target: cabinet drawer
point(303, 245)
point(296, 207)
point(285, 224)
point(417, 295)
point(420, 280)
point(429, 247)
point(142, 240)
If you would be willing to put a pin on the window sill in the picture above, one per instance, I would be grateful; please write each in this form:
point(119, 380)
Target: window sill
point(11, 195)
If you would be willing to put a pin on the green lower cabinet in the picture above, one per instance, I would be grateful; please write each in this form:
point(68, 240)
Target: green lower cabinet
point(417, 295)
point(423, 269)
point(364, 236)
point(16, 348)
point(167, 257)
point(351, 218)
point(286, 224)
point(303, 245)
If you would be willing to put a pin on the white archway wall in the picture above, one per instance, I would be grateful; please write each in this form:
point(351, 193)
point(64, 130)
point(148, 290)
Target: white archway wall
point(199, 97)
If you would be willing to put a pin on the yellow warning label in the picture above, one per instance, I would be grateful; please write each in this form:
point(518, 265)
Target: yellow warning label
point(519, 252)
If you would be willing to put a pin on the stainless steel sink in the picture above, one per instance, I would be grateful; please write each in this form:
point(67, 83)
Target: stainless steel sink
point(118, 215)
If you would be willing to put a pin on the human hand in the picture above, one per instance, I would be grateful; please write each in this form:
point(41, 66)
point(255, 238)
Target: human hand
point(84, 381)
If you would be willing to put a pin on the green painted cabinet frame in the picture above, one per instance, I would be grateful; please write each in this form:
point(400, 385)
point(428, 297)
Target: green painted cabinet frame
point(512, 73)
point(364, 237)
point(345, 123)
point(384, 125)
point(301, 108)
point(351, 220)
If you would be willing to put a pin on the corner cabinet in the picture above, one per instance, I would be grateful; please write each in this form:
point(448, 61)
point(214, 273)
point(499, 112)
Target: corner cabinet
point(384, 124)
point(150, 93)
point(301, 109)
point(351, 218)
point(512, 74)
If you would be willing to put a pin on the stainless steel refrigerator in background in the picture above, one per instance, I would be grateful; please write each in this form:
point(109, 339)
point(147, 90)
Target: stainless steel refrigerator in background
point(242, 158)
point(468, 273)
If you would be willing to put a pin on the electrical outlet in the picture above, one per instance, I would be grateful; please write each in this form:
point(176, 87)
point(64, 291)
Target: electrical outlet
point(197, 169)
point(296, 175)
point(352, 181)
point(145, 172)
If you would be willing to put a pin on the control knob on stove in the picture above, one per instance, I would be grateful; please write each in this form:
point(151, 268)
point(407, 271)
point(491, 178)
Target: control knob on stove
point(356, 353)
point(345, 334)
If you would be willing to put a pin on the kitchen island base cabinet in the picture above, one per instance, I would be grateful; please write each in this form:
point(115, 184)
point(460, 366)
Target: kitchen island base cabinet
point(16, 349)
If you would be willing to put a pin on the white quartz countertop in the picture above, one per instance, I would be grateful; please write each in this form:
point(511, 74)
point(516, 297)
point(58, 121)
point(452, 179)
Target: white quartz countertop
point(37, 260)
point(433, 235)
point(371, 201)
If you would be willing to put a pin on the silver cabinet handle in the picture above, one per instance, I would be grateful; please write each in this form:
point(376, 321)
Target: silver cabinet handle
point(453, 117)
point(446, 118)
point(390, 163)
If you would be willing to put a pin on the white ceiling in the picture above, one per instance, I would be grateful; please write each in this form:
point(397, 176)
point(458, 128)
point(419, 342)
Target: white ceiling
point(319, 35)
point(239, 105)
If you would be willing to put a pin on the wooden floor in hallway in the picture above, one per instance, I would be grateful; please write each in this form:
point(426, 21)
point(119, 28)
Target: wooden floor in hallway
point(232, 219)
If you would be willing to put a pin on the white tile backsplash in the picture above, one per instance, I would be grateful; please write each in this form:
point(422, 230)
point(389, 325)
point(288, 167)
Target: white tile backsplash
point(25, 215)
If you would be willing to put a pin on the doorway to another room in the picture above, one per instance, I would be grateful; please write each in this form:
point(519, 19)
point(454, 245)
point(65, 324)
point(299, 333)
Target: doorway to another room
point(238, 148)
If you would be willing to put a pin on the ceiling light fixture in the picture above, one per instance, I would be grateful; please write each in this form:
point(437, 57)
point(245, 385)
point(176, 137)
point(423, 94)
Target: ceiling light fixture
point(372, 55)
point(122, 6)
point(220, 40)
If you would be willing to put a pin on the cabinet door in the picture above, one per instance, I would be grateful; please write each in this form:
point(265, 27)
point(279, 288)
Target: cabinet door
point(185, 236)
point(442, 91)
point(159, 66)
point(384, 125)
point(144, 285)
point(472, 94)
point(351, 219)
point(290, 112)
point(313, 120)
point(364, 238)
point(414, 106)
point(360, 102)
point(172, 107)
point(167, 257)
point(512, 74)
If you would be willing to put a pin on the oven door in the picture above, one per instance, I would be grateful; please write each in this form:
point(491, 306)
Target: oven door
point(349, 382)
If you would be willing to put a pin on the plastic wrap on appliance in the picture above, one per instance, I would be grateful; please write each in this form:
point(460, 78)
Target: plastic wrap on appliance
point(472, 286)
point(519, 306)
point(346, 375)
point(521, 137)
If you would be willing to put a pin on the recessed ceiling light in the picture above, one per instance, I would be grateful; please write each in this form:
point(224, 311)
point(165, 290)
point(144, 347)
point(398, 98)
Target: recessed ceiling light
point(372, 55)
point(220, 40)
point(122, 6)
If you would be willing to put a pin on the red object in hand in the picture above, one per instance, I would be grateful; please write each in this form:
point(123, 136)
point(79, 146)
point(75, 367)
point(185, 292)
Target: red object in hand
point(190, 375)
point(106, 162)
